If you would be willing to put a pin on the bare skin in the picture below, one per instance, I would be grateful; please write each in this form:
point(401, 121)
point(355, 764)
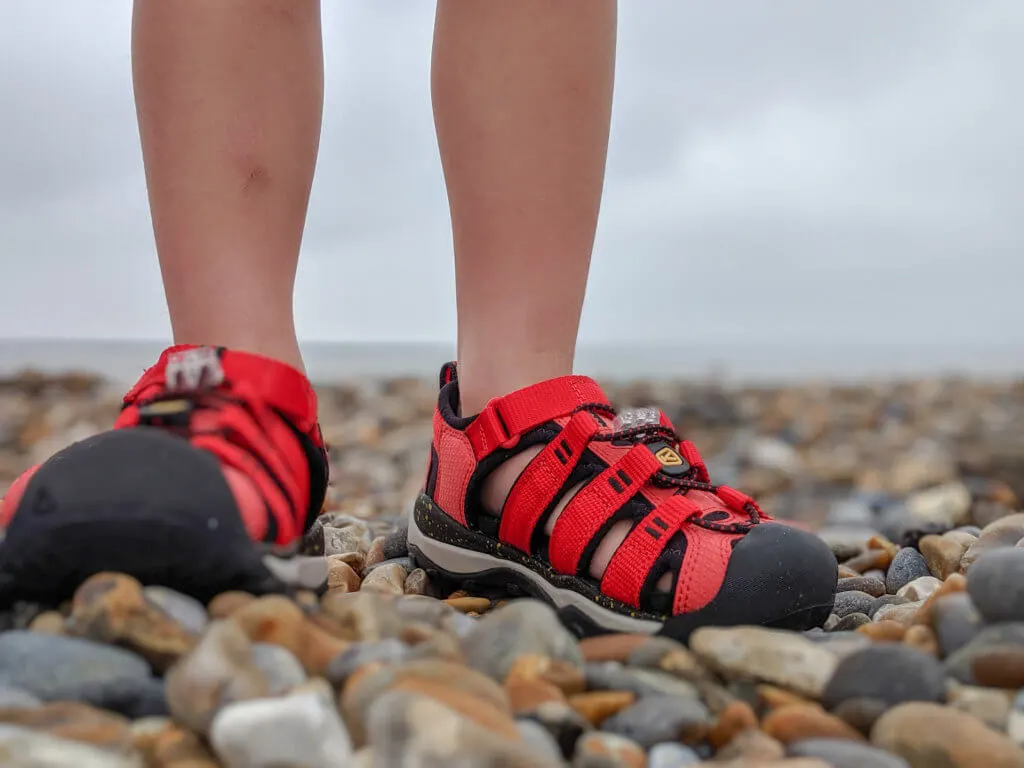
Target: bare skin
point(230, 99)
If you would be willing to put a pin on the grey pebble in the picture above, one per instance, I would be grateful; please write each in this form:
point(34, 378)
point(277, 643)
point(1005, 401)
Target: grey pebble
point(28, 748)
point(844, 753)
point(851, 622)
point(185, 610)
point(869, 584)
point(884, 600)
point(959, 664)
point(404, 561)
point(55, 668)
point(654, 719)
point(16, 697)
point(279, 666)
point(539, 739)
point(132, 697)
point(888, 672)
point(852, 601)
point(669, 755)
point(909, 564)
point(396, 543)
point(388, 650)
point(955, 621)
point(613, 676)
point(996, 585)
point(564, 723)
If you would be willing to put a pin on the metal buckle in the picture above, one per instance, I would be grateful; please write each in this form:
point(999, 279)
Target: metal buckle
point(194, 369)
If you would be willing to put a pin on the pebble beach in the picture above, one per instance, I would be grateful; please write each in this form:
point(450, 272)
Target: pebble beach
point(916, 485)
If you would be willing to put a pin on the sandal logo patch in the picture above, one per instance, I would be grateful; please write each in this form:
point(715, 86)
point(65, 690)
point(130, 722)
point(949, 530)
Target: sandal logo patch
point(668, 457)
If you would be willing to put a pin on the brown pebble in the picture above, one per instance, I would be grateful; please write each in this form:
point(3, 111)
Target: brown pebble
point(955, 583)
point(734, 719)
point(869, 560)
point(467, 604)
point(74, 721)
point(111, 608)
point(1001, 666)
point(472, 707)
point(598, 706)
point(526, 695)
point(847, 573)
point(226, 603)
point(611, 647)
point(754, 747)
point(884, 631)
point(942, 554)
point(860, 713)
point(922, 638)
point(770, 697)
point(564, 675)
point(796, 722)
point(49, 623)
point(276, 619)
point(375, 554)
point(416, 582)
point(178, 748)
point(341, 577)
point(880, 542)
point(607, 749)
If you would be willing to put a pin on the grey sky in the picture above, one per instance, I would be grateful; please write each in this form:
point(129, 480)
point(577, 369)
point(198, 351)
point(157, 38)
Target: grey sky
point(792, 170)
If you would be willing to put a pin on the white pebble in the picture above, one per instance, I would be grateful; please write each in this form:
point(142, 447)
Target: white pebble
point(920, 588)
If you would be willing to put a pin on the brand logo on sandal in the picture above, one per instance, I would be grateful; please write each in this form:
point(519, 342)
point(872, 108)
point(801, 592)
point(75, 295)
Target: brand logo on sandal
point(194, 368)
point(668, 457)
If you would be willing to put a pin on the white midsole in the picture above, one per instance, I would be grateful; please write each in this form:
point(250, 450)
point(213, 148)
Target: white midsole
point(466, 562)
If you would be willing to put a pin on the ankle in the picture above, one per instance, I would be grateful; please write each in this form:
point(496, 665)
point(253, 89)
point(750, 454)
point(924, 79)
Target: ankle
point(482, 379)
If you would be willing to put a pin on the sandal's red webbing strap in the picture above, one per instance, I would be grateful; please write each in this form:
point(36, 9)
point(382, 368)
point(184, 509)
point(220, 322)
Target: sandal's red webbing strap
point(632, 562)
point(704, 566)
point(277, 385)
point(542, 479)
point(595, 504)
point(506, 418)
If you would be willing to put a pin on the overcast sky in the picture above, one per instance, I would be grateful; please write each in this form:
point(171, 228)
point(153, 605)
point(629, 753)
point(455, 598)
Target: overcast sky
point(792, 170)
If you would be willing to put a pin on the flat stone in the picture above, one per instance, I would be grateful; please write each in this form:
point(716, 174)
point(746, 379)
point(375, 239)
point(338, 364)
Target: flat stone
point(387, 578)
point(943, 554)
point(868, 584)
point(279, 666)
point(517, 628)
point(57, 668)
point(613, 676)
point(794, 722)
point(861, 713)
point(387, 651)
point(905, 567)
point(298, 729)
point(187, 611)
point(851, 622)
point(885, 600)
point(608, 750)
point(669, 755)
point(920, 589)
point(886, 672)
point(996, 585)
point(852, 602)
point(955, 621)
point(842, 753)
point(277, 620)
point(960, 665)
point(1000, 667)
point(905, 613)
point(27, 748)
point(782, 658)
point(131, 697)
point(661, 718)
point(928, 735)
point(76, 722)
point(989, 705)
point(341, 576)
point(1005, 532)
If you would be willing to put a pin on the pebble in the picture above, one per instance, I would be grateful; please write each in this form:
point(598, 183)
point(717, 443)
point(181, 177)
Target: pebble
point(960, 665)
point(396, 543)
point(363, 616)
point(654, 719)
point(794, 722)
point(943, 554)
point(565, 676)
point(220, 670)
point(386, 578)
point(929, 735)
point(613, 676)
point(753, 745)
point(374, 555)
point(669, 755)
point(469, 604)
point(906, 566)
point(886, 672)
point(299, 729)
point(883, 631)
point(1005, 532)
point(341, 577)
point(732, 720)
point(345, 535)
point(852, 602)
point(851, 622)
point(15, 697)
point(185, 610)
point(416, 582)
point(868, 584)
point(279, 666)
point(773, 656)
point(390, 650)
point(55, 668)
point(923, 639)
point(990, 706)
point(612, 647)
point(843, 753)
point(904, 613)
point(885, 600)
point(49, 622)
point(27, 748)
point(947, 505)
point(133, 698)
point(538, 739)
point(276, 619)
point(1000, 667)
point(525, 695)
point(564, 724)
point(74, 721)
point(519, 627)
point(861, 713)
point(996, 585)
point(608, 750)
point(955, 621)
point(920, 589)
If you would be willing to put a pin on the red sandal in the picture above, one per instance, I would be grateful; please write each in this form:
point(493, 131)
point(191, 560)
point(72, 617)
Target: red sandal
point(214, 451)
point(731, 564)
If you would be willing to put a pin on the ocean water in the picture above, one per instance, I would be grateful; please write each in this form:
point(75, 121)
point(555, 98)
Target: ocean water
point(124, 360)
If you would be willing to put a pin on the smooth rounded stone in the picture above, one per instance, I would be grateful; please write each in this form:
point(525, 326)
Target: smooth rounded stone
point(386, 578)
point(390, 650)
point(782, 658)
point(669, 755)
point(867, 584)
point(948, 505)
point(1000, 667)
point(989, 705)
point(921, 637)
point(955, 622)
point(77, 722)
point(861, 713)
point(841, 643)
point(608, 750)
point(518, 628)
point(996, 585)
point(850, 513)
point(884, 600)
point(852, 602)
point(661, 718)
point(56, 668)
point(343, 534)
point(884, 631)
point(920, 589)
point(905, 613)
point(843, 753)
point(341, 576)
point(276, 619)
point(301, 729)
point(365, 616)
point(396, 543)
point(973, 531)
point(537, 738)
point(406, 563)
point(416, 582)
point(619, 647)
point(888, 672)
point(412, 729)
point(279, 666)
point(871, 562)
point(185, 610)
point(131, 697)
point(851, 622)
point(50, 622)
point(793, 722)
point(16, 697)
point(960, 665)
point(374, 555)
point(753, 745)
point(613, 676)
point(29, 748)
point(563, 722)
point(1005, 532)
point(930, 735)
point(220, 670)
point(908, 565)
point(830, 622)
point(944, 553)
